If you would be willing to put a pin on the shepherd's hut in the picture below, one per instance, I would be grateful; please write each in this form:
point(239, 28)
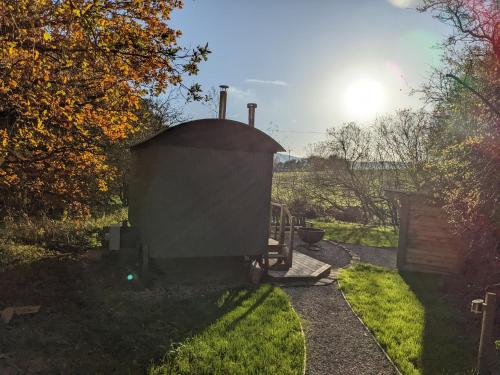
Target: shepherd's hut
point(203, 188)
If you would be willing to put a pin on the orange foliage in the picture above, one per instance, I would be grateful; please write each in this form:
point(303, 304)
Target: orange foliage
point(72, 73)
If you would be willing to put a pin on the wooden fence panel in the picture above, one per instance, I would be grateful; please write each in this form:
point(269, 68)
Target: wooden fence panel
point(426, 240)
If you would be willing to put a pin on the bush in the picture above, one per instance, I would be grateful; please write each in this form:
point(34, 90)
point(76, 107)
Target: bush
point(12, 254)
point(67, 233)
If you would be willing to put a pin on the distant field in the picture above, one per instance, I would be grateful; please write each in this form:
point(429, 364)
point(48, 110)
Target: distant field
point(292, 187)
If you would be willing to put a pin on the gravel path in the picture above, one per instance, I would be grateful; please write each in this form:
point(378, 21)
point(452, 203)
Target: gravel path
point(327, 253)
point(375, 255)
point(337, 343)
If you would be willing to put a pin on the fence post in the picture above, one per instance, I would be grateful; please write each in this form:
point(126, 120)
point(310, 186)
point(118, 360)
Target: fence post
point(486, 354)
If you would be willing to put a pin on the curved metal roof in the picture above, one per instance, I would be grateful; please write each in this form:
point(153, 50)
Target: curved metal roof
point(215, 134)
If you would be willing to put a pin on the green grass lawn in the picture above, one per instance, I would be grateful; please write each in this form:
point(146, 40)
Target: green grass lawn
point(162, 329)
point(358, 234)
point(410, 317)
point(259, 334)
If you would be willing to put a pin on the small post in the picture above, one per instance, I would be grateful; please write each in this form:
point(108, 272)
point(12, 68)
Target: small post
point(486, 354)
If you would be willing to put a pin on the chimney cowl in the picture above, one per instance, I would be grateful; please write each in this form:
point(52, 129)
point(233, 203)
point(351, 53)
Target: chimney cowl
point(222, 101)
point(251, 114)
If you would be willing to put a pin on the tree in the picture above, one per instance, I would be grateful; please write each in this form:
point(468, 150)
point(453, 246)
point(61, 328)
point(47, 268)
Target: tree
point(154, 115)
point(356, 164)
point(72, 77)
point(466, 135)
point(402, 143)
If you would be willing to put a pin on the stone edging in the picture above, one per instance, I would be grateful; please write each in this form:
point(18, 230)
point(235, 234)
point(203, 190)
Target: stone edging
point(355, 259)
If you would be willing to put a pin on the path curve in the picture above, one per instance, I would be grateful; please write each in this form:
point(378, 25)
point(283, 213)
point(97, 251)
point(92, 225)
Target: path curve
point(337, 342)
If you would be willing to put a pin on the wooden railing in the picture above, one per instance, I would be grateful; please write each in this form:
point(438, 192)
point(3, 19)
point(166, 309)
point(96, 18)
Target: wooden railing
point(279, 224)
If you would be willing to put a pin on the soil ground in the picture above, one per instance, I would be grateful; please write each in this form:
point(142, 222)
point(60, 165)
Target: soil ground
point(96, 317)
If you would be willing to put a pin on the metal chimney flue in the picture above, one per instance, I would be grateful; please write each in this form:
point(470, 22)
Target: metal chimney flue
point(222, 101)
point(251, 114)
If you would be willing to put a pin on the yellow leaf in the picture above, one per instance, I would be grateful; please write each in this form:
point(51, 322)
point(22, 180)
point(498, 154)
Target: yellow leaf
point(36, 55)
point(46, 35)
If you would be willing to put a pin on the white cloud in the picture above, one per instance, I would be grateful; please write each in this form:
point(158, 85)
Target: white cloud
point(266, 82)
point(405, 3)
point(240, 94)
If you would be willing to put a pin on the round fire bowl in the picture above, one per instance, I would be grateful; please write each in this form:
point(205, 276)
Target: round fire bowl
point(311, 235)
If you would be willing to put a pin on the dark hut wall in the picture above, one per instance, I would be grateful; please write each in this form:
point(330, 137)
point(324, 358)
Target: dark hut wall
point(427, 242)
point(199, 202)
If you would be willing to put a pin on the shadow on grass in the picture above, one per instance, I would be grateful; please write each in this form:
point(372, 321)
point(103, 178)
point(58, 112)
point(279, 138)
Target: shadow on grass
point(93, 320)
point(419, 319)
point(450, 334)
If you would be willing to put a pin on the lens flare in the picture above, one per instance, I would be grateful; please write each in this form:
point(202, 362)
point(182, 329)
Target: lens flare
point(364, 98)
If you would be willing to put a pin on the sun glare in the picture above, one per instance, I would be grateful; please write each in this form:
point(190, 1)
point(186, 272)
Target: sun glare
point(364, 98)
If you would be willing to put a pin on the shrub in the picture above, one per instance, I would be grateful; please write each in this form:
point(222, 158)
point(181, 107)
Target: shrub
point(66, 233)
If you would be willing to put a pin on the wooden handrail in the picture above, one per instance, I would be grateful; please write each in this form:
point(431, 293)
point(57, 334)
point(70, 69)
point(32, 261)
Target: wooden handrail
point(284, 212)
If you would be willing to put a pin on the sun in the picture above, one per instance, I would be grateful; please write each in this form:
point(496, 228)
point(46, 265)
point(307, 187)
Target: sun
point(364, 98)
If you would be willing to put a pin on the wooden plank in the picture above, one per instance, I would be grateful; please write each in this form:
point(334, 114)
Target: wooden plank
point(429, 269)
point(425, 209)
point(436, 261)
point(419, 258)
point(432, 230)
point(436, 251)
point(431, 262)
point(321, 270)
point(431, 227)
point(435, 248)
point(426, 240)
point(303, 267)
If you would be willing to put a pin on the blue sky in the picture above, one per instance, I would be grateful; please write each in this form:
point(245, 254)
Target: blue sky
point(304, 62)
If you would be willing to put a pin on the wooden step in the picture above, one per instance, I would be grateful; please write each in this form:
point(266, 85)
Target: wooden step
point(273, 245)
point(276, 256)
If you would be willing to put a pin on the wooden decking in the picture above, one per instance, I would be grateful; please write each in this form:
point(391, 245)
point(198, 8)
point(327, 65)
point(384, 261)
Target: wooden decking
point(303, 267)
